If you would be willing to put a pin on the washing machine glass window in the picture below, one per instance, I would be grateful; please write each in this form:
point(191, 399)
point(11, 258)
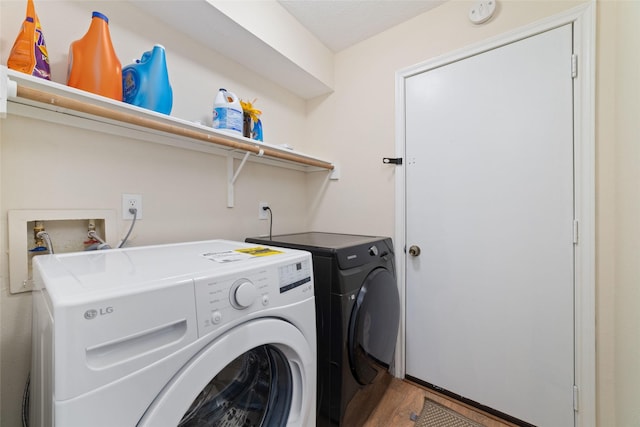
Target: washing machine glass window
point(253, 390)
point(373, 326)
point(270, 378)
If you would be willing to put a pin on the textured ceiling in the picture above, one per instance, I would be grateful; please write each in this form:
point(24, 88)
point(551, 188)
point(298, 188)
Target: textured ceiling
point(342, 23)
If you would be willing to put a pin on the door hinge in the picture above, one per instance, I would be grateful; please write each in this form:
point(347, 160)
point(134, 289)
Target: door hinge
point(392, 160)
point(574, 66)
point(575, 398)
point(575, 231)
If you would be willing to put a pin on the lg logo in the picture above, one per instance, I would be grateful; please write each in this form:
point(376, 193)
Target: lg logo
point(92, 314)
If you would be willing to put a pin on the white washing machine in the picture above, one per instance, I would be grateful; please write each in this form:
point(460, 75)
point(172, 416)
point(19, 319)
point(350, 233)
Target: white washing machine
point(214, 333)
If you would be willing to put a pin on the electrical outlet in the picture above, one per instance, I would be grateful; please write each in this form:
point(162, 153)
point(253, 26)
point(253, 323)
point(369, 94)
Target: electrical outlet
point(262, 212)
point(131, 201)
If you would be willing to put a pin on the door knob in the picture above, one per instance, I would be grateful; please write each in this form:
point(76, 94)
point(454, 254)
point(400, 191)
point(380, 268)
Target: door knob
point(414, 250)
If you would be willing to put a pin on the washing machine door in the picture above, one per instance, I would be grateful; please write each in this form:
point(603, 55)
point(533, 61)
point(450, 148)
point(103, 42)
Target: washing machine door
point(258, 374)
point(373, 326)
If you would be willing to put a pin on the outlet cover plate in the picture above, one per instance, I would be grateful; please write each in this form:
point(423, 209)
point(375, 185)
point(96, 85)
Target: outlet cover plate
point(129, 201)
point(262, 213)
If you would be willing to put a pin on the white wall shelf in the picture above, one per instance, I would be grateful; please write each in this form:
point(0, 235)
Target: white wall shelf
point(25, 95)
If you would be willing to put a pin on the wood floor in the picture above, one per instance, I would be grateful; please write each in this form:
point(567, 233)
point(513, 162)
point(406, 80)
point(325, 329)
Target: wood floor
point(403, 398)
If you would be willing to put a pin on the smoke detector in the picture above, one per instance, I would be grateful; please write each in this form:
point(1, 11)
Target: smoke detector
point(482, 11)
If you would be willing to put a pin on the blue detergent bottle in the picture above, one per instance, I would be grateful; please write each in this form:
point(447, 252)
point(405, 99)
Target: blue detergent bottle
point(146, 83)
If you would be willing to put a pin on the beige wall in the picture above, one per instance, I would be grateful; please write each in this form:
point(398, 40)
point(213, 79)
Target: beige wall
point(627, 212)
point(353, 126)
point(605, 213)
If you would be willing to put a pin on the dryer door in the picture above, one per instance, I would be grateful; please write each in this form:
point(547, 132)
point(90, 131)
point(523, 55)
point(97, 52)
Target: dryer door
point(258, 374)
point(373, 326)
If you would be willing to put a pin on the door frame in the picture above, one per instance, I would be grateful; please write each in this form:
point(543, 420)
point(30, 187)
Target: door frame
point(583, 20)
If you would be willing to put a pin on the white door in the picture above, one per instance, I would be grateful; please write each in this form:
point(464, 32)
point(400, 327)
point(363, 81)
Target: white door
point(489, 201)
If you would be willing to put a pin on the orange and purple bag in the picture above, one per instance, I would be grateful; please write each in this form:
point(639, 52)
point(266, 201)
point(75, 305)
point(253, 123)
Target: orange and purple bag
point(29, 52)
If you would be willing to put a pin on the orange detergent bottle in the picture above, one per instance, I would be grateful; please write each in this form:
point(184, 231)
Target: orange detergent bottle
point(29, 52)
point(93, 65)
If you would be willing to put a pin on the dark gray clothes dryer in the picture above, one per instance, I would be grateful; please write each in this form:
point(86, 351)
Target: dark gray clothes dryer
point(357, 316)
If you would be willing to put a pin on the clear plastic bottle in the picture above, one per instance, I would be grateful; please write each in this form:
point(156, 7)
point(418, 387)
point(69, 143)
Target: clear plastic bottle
point(93, 63)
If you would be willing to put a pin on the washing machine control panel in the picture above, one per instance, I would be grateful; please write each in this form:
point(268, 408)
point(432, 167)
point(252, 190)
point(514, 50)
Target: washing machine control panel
point(230, 299)
point(294, 275)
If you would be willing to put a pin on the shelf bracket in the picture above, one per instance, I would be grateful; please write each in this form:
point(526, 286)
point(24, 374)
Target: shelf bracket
point(232, 175)
point(8, 88)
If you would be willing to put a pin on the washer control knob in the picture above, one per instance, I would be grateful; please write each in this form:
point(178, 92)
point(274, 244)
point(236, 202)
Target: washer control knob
point(243, 294)
point(265, 299)
point(216, 317)
point(373, 250)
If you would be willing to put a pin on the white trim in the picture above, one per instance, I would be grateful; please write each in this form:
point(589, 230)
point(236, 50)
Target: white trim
point(585, 188)
point(400, 227)
point(583, 18)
